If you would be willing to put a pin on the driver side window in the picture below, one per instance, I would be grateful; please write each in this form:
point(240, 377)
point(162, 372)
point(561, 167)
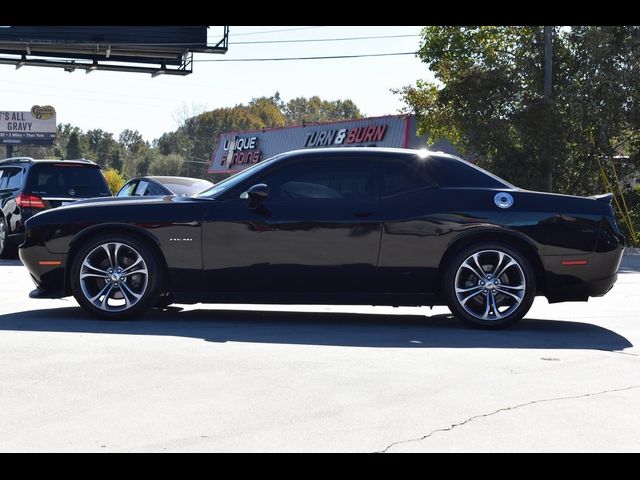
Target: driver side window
point(322, 179)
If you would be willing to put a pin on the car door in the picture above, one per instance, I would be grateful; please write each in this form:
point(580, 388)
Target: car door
point(318, 231)
point(412, 232)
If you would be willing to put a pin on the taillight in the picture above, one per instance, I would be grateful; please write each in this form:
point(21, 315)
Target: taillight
point(29, 201)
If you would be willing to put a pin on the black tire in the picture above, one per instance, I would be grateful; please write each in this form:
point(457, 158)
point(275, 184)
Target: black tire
point(7, 250)
point(164, 300)
point(148, 289)
point(513, 291)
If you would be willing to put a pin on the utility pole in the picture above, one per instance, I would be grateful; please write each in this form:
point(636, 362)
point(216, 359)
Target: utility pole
point(548, 56)
point(9, 150)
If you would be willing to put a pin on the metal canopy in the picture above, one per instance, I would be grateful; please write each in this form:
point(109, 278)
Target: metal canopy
point(143, 49)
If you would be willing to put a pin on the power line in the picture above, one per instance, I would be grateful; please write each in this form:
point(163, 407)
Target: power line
point(304, 58)
point(103, 43)
point(323, 39)
point(275, 31)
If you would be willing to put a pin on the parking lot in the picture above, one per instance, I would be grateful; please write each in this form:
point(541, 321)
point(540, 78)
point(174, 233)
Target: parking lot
point(318, 378)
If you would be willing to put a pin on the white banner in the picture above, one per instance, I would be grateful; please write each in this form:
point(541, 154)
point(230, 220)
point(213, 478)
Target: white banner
point(37, 126)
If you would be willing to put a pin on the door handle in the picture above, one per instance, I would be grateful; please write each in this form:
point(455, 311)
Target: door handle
point(362, 214)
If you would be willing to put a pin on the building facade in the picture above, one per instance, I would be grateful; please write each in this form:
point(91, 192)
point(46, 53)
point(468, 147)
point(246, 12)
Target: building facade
point(238, 150)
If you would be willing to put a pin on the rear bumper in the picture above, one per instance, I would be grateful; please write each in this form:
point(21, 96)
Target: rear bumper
point(47, 270)
point(581, 292)
point(565, 283)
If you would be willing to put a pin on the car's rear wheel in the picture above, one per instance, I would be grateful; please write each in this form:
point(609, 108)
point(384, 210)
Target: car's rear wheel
point(116, 277)
point(489, 285)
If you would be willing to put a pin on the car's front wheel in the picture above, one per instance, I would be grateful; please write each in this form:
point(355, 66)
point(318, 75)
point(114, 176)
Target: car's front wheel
point(116, 277)
point(489, 285)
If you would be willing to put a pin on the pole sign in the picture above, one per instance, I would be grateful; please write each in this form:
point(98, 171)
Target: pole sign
point(37, 127)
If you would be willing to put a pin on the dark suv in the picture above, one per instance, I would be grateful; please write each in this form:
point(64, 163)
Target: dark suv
point(29, 186)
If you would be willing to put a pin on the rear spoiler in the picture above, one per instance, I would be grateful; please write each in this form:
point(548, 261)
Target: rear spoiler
point(605, 197)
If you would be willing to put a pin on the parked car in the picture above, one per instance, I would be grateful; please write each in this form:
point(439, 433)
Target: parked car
point(159, 185)
point(367, 226)
point(29, 186)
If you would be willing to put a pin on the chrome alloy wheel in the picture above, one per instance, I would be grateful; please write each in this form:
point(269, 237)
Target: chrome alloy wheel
point(490, 285)
point(113, 277)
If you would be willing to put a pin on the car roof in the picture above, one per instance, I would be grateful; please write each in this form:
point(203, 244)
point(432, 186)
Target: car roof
point(170, 179)
point(38, 161)
point(378, 152)
point(361, 150)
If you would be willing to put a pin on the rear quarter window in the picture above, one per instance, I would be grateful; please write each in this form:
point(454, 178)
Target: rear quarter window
point(67, 181)
point(400, 176)
point(454, 173)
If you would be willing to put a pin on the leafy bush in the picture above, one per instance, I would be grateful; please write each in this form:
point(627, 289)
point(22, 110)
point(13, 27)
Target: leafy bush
point(114, 179)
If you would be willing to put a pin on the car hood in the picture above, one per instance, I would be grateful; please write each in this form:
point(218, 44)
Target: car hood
point(120, 201)
point(108, 209)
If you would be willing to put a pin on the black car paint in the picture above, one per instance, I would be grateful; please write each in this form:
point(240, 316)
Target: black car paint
point(388, 251)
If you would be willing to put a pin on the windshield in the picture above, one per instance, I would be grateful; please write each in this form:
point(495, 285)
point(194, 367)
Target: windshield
point(236, 179)
point(181, 189)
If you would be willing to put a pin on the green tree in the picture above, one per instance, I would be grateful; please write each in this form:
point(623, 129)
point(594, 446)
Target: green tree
point(488, 99)
point(172, 164)
point(314, 109)
point(268, 110)
point(144, 163)
point(134, 149)
point(101, 146)
point(132, 142)
point(73, 148)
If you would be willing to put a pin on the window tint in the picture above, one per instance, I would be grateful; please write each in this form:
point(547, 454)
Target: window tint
point(13, 177)
point(60, 180)
point(154, 189)
point(327, 179)
point(127, 190)
point(399, 177)
point(458, 173)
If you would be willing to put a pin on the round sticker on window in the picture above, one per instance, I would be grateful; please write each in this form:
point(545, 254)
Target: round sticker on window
point(503, 200)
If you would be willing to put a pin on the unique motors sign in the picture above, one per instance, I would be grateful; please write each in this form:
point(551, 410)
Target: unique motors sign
point(36, 127)
point(238, 150)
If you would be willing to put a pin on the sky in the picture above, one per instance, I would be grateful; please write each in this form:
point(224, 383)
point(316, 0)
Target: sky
point(114, 101)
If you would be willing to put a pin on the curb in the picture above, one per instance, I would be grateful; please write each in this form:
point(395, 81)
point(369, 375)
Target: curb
point(632, 251)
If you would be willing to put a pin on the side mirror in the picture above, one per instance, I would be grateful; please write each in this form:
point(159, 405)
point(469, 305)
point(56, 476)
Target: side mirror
point(257, 194)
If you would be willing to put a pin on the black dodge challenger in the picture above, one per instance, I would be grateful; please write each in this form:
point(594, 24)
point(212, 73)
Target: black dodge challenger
point(332, 226)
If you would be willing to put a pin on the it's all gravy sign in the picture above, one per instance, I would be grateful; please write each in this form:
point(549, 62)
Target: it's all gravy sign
point(37, 127)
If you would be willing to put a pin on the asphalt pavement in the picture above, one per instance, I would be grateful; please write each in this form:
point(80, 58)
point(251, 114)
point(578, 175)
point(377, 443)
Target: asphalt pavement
point(239, 378)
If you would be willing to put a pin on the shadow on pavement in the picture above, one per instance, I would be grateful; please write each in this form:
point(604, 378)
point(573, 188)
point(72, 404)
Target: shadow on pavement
point(331, 329)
